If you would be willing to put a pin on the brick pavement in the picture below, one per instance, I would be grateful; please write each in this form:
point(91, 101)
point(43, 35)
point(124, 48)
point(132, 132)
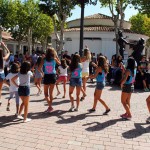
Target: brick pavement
point(63, 130)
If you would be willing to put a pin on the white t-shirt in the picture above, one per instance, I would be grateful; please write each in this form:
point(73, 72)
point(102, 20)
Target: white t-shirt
point(85, 66)
point(12, 87)
point(24, 79)
point(63, 72)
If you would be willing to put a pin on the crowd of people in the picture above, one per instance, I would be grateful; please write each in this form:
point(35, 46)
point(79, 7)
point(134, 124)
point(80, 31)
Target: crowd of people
point(75, 69)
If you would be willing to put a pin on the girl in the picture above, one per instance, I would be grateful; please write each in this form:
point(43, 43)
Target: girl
point(100, 74)
point(24, 88)
point(2, 64)
point(63, 76)
point(13, 89)
point(127, 87)
point(85, 70)
point(38, 75)
point(49, 65)
point(75, 80)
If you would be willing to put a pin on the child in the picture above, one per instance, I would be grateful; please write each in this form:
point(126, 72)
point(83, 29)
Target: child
point(100, 74)
point(49, 64)
point(2, 64)
point(85, 60)
point(63, 76)
point(148, 106)
point(24, 88)
point(127, 87)
point(38, 75)
point(13, 89)
point(75, 80)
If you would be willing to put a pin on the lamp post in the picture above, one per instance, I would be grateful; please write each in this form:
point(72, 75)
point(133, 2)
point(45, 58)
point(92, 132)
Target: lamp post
point(82, 3)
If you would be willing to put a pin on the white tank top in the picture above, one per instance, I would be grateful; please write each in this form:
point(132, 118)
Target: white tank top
point(85, 66)
point(63, 72)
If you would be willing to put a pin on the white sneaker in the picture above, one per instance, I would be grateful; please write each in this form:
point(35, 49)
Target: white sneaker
point(20, 117)
point(27, 120)
point(148, 120)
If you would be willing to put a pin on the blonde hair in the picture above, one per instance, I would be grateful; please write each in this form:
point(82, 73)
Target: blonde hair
point(87, 54)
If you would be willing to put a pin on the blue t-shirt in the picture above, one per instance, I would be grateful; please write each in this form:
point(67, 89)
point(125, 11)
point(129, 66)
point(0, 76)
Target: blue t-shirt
point(77, 73)
point(49, 67)
point(101, 77)
point(131, 78)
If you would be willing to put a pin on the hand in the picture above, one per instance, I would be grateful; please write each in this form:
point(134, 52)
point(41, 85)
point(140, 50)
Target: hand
point(2, 43)
point(121, 85)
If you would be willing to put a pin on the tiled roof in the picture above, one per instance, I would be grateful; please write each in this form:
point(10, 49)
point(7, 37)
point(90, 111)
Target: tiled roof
point(97, 28)
point(98, 16)
point(6, 36)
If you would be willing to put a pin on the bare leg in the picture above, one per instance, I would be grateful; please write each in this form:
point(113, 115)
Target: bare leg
point(71, 89)
point(78, 89)
point(148, 103)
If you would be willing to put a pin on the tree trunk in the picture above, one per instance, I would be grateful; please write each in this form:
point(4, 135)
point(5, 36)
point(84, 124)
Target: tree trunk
point(30, 41)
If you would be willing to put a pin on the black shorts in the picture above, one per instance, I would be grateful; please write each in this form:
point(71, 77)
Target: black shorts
point(128, 88)
point(24, 91)
point(49, 79)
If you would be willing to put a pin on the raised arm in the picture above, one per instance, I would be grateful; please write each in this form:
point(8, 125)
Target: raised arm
point(8, 52)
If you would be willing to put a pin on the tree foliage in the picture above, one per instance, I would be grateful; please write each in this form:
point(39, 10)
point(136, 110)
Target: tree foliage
point(141, 24)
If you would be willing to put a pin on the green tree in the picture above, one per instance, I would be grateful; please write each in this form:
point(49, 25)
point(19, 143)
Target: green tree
point(142, 5)
point(42, 29)
point(58, 10)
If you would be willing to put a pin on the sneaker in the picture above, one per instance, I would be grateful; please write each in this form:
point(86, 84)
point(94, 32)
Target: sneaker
point(50, 109)
point(146, 90)
point(91, 110)
point(123, 115)
point(27, 120)
point(106, 112)
point(71, 109)
point(8, 108)
point(20, 117)
point(126, 116)
point(76, 109)
point(148, 120)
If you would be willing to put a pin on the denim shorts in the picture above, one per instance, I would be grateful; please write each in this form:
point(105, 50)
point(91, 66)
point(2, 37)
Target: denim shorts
point(100, 85)
point(76, 82)
point(49, 79)
point(24, 91)
point(128, 88)
point(2, 77)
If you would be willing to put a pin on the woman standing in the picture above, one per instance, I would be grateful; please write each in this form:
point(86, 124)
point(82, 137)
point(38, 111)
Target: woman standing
point(2, 64)
point(85, 60)
point(49, 65)
point(127, 87)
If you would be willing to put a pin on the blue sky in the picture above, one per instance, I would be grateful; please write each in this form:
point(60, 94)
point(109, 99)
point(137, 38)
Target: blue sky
point(90, 10)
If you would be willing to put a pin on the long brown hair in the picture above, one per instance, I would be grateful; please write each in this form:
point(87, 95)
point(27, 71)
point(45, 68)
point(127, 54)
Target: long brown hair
point(63, 63)
point(1, 59)
point(103, 63)
point(75, 62)
point(50, 54)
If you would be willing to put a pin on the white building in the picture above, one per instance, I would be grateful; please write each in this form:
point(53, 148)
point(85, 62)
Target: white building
point(99, 35)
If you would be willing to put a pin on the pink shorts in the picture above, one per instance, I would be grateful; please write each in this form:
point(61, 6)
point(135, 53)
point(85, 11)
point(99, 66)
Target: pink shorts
point(62, 79)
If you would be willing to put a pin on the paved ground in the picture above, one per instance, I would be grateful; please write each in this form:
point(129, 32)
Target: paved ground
point(76, 130)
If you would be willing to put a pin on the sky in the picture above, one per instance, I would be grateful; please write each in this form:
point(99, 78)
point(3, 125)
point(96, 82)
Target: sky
point(91, 9)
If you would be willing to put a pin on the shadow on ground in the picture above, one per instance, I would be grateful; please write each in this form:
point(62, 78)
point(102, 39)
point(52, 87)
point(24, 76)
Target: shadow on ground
point(100, 126)
point(138, 131)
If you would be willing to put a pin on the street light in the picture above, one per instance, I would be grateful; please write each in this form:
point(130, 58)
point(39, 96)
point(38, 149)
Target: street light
point(82, 3)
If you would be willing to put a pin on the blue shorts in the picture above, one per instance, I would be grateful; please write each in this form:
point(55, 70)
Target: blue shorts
point(2, 77)
point(24, 91)
point(76, 82)
point(100, 85)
